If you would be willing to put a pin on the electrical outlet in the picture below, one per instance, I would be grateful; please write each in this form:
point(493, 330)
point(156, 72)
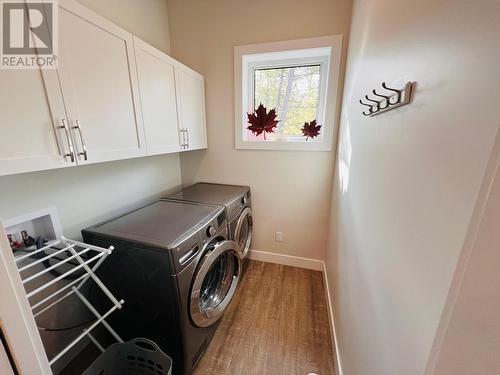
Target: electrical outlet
point(278, 236)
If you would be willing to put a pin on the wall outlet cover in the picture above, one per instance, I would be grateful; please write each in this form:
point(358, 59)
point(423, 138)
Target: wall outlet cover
point(278, 236)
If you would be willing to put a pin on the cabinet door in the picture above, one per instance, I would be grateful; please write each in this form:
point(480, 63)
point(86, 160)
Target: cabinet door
point(32, 114)
point(99, 84)
point(191, 107)
point(156, 73)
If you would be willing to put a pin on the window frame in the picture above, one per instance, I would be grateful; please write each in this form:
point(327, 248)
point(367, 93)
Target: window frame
point(323, 51)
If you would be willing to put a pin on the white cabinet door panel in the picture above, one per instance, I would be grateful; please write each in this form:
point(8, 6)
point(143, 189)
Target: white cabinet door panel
point(191, 106)
point(156, 73)
point(30, 139)
point(99, 84)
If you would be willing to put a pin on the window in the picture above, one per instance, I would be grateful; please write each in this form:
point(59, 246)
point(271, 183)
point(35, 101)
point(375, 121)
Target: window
point(293, 91)
point(297, 84)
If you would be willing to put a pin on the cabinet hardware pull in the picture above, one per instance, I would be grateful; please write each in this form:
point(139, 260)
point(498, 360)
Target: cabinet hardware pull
point(187, 133)
point(68, 139)
point(84, 147)
point(183, 145)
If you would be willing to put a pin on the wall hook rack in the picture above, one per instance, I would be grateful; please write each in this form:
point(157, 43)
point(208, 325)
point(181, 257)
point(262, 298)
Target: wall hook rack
point(397, 98)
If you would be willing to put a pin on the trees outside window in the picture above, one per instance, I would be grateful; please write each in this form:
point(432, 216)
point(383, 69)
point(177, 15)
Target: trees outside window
point(293, 91)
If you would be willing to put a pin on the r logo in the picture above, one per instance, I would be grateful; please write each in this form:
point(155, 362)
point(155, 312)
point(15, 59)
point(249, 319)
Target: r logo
point(27, 28)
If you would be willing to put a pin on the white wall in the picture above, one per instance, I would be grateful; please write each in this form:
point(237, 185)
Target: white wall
point(5, 366)
point(16, 320)
point(290, 188)
point(88, 194)
point(468, 341)
point(85, 195)
point(406, 181)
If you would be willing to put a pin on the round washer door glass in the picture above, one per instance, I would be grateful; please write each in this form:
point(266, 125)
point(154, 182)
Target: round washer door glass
point(243, 232)
point(214, 283)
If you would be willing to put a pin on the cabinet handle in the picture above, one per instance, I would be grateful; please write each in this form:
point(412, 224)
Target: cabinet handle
point(84, 147)
point(183, 144)
point(68, 139)
point(187, 133)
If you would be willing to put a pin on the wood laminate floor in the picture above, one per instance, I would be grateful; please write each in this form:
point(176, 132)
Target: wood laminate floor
point(277, 324)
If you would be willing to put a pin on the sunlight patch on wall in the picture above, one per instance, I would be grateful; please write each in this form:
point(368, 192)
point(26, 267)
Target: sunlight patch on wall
point(345, 152)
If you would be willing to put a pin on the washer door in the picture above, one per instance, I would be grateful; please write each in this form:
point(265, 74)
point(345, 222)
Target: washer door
point(214, 283)
point(244, 231)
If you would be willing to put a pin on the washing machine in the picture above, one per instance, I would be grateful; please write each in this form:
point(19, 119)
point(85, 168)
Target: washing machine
point(177, 270)
point(237, 203)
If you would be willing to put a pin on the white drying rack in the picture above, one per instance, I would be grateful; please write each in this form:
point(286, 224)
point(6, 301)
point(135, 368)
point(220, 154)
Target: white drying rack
point(74, 286)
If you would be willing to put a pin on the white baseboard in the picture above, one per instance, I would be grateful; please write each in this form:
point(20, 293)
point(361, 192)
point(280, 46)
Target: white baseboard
point(333, 334)
point(287, 260)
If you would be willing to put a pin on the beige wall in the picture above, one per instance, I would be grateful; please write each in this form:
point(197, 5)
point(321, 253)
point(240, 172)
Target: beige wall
point(146, 19)
point(84, 195)
point(406, 181)
point(290, 189)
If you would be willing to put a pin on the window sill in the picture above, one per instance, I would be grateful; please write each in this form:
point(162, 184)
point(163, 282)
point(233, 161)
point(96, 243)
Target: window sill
point(284, 146)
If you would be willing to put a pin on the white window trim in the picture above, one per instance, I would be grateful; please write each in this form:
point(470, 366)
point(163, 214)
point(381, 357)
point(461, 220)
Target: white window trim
point(323, 50)
point(318, 56)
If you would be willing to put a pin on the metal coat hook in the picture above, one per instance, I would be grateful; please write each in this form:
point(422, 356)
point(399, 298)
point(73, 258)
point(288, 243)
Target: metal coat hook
point(397, 99)
point(398, 92)
point(385, 97)
point(371, 100)
point(375, 105)
point(370, 108)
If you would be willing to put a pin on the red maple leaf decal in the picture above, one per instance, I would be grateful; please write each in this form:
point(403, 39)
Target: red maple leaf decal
point(310, 129)
point(261, 121)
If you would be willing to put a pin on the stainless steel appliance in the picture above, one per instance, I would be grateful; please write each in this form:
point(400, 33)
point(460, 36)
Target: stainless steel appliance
point(178, 272)
point(238, 205)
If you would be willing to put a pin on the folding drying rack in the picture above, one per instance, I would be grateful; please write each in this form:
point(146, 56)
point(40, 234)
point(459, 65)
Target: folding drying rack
point(66, 246)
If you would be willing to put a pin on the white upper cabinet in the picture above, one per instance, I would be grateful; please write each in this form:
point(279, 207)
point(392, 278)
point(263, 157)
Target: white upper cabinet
point(31, 119)
point(99, 84)
point(112, 97)
point(156, 72)
point(191, 108)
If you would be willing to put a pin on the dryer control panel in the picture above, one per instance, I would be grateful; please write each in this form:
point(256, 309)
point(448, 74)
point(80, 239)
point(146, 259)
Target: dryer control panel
point(215, 228)
point(189, 249)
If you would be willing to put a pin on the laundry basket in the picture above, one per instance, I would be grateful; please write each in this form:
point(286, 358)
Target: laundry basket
point(138, 357)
